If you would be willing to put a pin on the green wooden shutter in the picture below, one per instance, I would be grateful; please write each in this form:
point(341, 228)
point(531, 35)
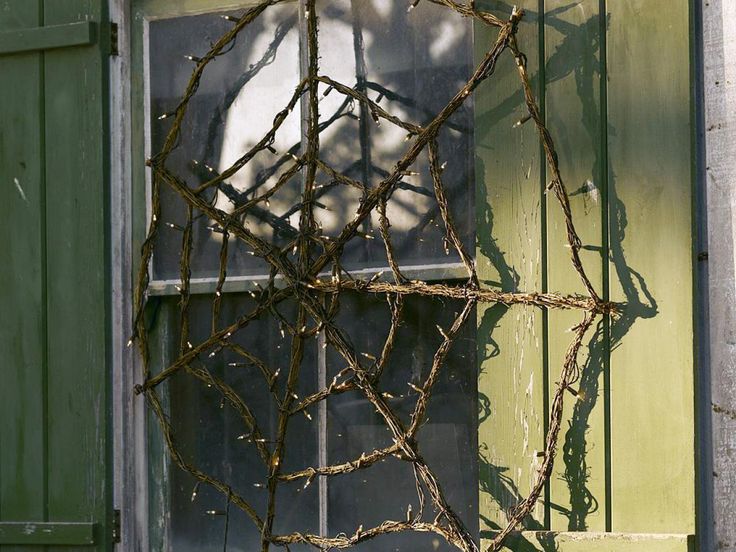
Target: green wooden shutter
point(54, 444)
point(614, 81)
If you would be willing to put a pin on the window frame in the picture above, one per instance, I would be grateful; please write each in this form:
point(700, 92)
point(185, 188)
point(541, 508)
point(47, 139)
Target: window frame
point(137, 433)
point(128, 493)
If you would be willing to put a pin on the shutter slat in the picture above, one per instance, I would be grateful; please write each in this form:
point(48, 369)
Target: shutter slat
point(44, 533)
point(22, 280)
point(82, 33)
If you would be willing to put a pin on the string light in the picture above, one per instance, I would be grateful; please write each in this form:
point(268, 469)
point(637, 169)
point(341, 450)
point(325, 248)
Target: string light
point(521, 121)
point(375, 277)
point(366, 206)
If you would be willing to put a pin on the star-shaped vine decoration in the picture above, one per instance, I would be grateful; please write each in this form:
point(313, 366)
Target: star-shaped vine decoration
point(309, 254)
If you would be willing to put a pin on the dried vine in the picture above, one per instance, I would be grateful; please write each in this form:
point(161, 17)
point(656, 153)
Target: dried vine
point(317, 299)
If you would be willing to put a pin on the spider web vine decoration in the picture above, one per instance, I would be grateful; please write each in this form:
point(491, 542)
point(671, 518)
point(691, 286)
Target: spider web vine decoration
point(317, 299)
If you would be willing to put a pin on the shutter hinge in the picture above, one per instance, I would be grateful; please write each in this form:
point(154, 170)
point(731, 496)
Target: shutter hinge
point(114, 49)
point(116, 526)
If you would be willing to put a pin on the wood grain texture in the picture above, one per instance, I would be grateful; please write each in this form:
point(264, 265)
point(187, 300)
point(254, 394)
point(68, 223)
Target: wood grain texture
point(509, 181)
point(600, 542)
point(574, 66)
point(54, 451)
point(719, 79)
point(22, 279)
point(27, 534)
point(650, 193)
point(78, 274)
point(616, 96)
point(82, 33)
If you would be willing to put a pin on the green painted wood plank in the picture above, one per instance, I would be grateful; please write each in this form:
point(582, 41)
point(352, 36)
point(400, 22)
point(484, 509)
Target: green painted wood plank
point(22, 274)
point(650, 188)
point(78, 289)
point(573, 108)
point(509, 255)
point(82, 33)
point(57, 534)
point(598, 542)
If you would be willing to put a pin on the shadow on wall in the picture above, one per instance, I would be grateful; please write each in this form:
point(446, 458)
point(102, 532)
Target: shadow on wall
point(577, 56)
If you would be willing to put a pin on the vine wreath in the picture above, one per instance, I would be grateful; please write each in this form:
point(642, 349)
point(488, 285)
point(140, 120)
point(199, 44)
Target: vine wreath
point(317, 298)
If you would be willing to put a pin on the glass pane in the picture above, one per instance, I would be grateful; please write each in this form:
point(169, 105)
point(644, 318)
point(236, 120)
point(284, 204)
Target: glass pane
point(447, 440)
point(412, 64)
point(234, 107)
point(213, 436)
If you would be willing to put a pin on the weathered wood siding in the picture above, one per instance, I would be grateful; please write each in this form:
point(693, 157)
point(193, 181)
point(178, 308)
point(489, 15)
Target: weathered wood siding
point(614, 80)
point(54, 286)
point(719, 54)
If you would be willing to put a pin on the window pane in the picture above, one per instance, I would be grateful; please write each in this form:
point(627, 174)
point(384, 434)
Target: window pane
point(234, 107)
point(211, 434)
point(414, 63)
point(447, 440)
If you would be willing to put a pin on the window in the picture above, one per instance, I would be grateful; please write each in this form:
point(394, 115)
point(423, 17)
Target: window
point(619, 92)
point(491, 409)
point(411, 65)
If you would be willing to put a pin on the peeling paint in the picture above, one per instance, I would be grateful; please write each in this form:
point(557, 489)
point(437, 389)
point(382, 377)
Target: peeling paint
point(20, 190)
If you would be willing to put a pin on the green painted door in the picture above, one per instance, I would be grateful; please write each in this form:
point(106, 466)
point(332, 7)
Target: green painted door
point(614, 83)
point(54, 439)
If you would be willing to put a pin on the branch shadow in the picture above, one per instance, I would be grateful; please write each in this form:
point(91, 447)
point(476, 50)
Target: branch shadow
point(569, 58)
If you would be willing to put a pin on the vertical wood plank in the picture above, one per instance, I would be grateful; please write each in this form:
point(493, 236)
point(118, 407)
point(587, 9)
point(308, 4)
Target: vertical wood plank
point(22, 274)
point(573, 71)
point(78, 292)
point(719, 83)
point(509, 256)
point(650, 188)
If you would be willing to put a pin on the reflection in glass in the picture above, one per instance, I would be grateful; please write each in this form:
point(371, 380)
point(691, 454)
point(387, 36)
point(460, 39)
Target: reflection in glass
point(448, 440)
point(411, 64)
point(212, 436)
point(234, 107)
